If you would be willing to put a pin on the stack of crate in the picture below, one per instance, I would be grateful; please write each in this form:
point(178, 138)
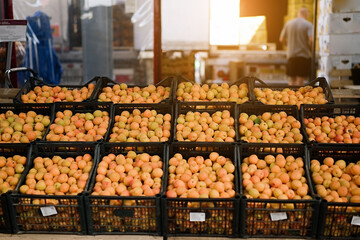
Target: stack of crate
point(339, 34)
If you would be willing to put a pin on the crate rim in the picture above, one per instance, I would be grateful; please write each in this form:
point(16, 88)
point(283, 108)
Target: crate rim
point(262, 85)
point(57, 105)
point(101, 147)
point(180, 78)
point(303, 146)
point(327, 106)
point(30, 164)
point(104, 81)
point(232, 105)
point(155, 106)
point(269, 108)
point(33, 81)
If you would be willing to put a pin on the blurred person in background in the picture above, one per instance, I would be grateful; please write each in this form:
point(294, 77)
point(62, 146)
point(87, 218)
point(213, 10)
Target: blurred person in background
point(297, 35)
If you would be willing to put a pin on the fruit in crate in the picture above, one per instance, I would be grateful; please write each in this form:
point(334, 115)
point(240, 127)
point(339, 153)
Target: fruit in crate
point(188, 91)
point(304, 95)
point(339, 129)
point(88, 126)
point(57, 176)
point(121, 93)
point(129, 175)
point(274, 177)
point(10, 172)
point(47, 94)
point(23, 127)
point(146, 126)
point(203, 127)
point(199, 177)
point(270, 128)
point(337, 181)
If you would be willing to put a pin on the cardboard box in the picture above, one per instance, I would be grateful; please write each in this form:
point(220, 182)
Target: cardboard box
point(236, 70)
point(339, 44)
point(339, 23)
point(328, 63)
point(333, 6)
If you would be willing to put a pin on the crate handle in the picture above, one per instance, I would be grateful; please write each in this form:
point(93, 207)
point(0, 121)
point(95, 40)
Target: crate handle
point(182, 78)
point(313, 82)
point(109, 80)
point(19, 69)
point(244, 79)
point(254, 79)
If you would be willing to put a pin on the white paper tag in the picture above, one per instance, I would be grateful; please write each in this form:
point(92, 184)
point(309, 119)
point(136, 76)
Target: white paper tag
point(197, 217)
point(48, 211)
point(12, 30)
point(355, 220)
point(130, 6)
point(277, 216)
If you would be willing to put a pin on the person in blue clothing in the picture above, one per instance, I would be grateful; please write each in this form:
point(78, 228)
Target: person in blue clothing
point(40, 52)
point(297, 35)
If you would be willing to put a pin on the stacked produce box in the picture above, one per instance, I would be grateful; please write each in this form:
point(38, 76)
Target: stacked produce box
point(338, 30)
point(178, 63)
point(179, 158)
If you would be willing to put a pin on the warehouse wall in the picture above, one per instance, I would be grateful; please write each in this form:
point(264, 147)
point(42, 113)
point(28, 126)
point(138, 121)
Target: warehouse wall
point(274, 14)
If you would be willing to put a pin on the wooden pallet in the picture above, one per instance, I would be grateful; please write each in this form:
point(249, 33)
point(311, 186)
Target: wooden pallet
point(7, 94)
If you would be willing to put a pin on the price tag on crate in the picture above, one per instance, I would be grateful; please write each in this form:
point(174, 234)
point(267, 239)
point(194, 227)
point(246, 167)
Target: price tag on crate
point(48, 211)
point(355, 220)
point(277, 216)
point(197, 217)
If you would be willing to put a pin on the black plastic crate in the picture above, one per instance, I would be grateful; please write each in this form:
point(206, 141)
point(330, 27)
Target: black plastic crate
point(209, 107)
point(335, 217)
point(80, 107)
point(256, 214)
point(333, 110)
point(181, 79)
point(219, 214)
point(44, 109)
point(318, 82)
point(9, 150)
point(160, 109)
point(32, 82)
point(106, 82)
point(257, 109)
point(26, 215)
point(123, 214)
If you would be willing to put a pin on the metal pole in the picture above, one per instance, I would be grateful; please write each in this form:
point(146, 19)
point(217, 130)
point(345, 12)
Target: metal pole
point(157, 41)
point(313, 60)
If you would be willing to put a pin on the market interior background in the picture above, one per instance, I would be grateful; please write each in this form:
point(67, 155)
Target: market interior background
point(204, 40)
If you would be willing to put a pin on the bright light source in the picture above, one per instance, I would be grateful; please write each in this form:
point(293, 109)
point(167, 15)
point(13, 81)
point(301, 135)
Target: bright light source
point(224, 15)
point(248, 27)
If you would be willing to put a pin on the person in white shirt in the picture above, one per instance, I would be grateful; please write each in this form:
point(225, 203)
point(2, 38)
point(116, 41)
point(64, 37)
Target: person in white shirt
point(297, 34)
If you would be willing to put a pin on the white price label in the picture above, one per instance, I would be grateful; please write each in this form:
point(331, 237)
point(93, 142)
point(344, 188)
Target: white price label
point(48, 211)
point(277, 216)
point(197, 217)
point(130, 6)
point(355, 220)
point(12, 30)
